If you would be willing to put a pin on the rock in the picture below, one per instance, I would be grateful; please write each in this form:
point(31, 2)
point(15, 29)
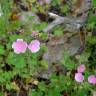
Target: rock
point(75, 45)
point(55, 50)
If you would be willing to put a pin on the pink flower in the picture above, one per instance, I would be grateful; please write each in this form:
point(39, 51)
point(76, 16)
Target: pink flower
point(81, 68)
point(92, 79)
point(79, 77)
point(34, 46)
point(34, 33)
point(19, 46)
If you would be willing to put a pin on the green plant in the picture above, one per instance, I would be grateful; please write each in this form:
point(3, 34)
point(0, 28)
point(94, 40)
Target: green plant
point(19, 72)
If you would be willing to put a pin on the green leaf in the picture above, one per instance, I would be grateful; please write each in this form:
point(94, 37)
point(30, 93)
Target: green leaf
point(20, 64)
point(13, 38)
point(53, 92)
point(67, 61)
point(9, 86)
point(10, 59)
point(58, 31)
point(84, 57)
point(55, 2)
point(16, 59)
point(94, 3)
point(91, 21)
point(42, 86)
point(91, 40)
point(2, 51)
point(32, 93)
point(64, 9)
point(1, 94)
point(39, 26)
point(44, 63)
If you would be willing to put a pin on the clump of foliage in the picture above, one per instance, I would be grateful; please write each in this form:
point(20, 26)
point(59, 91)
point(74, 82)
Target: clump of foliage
point(19, 72)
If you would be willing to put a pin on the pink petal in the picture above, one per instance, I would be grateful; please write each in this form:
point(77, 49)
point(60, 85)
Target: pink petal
point(13, 45)
point(35, 42)
point(92, 79)
point(79, 77)
point(19, 46)
point(34, 46)
point(81, 68)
